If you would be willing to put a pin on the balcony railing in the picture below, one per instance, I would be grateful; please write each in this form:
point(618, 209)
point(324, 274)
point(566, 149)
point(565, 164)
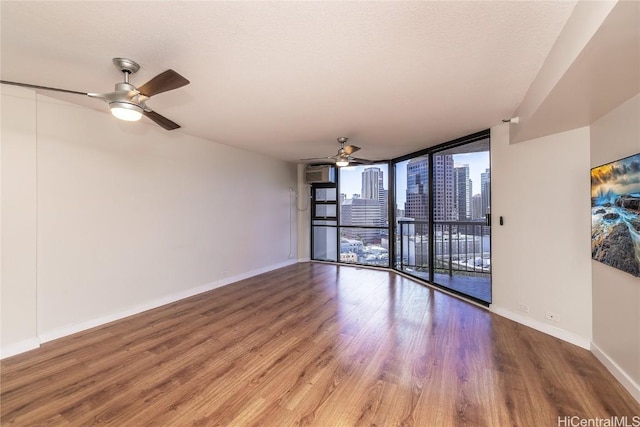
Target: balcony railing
point(460, 247)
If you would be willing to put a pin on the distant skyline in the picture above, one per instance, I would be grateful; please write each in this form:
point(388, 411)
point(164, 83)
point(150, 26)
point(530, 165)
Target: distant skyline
point(351, 177)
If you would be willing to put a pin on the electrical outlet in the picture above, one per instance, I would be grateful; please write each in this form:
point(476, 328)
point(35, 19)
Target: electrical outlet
point(523, 308)
point(553, 316)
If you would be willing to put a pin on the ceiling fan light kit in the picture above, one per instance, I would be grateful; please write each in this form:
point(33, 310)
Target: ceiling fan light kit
point(344, 157)
point(127, 102)
point(126, 111)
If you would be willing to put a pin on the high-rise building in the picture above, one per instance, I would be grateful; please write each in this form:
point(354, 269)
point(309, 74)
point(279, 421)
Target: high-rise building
point(416, 205)
point(477, 206)
point(444, 189)
point(373, 188)
point(372, 183)
point(384, 200)
point(463, 190)
point(485, 191)
point(361, 212)
point(417, 202)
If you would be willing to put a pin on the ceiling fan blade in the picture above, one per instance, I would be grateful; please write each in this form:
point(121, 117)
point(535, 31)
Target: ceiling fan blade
point(163, 82)
point(103, 96)
point(348, 149)
point(317, 158)
point(161, 120)
point(358, 160)
point(55, 89)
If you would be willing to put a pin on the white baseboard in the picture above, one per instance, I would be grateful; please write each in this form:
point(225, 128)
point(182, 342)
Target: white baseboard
point(627, 382)
point(78, 327)
point(543, 327)
point(304, 259)
point(19, 347)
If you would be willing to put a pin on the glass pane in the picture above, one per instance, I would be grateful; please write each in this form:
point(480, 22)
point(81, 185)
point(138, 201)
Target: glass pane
point(364, 195)
point(412, 216)
point(462, 244)
point(325, 211)
point(413, 247)
point(325, 194)
point(325, 243)
point(364, 246)
point(325, 222)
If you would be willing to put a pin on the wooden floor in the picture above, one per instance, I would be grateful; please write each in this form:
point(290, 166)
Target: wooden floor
point(311, 344)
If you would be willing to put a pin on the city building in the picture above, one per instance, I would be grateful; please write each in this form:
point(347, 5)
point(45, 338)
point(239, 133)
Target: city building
point(477, 206)
point(361, 212)
point(463, 193)
point(373, 188)
point(485, 192)
point(417, 199)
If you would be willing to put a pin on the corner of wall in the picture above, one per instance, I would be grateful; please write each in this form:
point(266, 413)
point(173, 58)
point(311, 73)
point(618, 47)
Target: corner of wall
point(616, 294)
point(627, 382)
point(540, 260)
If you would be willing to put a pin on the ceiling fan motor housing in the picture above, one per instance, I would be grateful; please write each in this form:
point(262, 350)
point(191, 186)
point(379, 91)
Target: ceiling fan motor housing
point(126, 65)
point(126, 102)
point(125, 87)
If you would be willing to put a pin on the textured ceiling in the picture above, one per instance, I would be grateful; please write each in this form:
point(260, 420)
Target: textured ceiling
point(287, 78)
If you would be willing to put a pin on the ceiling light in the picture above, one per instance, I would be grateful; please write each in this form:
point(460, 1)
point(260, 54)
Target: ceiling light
point(126, 111)
point(342, 162)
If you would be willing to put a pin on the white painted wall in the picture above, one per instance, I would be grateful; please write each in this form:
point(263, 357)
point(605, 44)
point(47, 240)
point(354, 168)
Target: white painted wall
point(18, 222)
point(541, 256)
point(616, 295)
point(130, 216)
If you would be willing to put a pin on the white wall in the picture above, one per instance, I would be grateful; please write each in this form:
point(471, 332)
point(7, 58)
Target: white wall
point(616, 295)
point(541, 256)
point(130, 216)
point(18, 225)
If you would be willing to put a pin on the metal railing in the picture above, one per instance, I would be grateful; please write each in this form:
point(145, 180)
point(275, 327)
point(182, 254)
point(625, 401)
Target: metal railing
point(460, 247)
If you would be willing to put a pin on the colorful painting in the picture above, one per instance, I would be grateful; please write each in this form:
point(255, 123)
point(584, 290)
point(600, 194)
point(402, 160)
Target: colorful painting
point(615, 214)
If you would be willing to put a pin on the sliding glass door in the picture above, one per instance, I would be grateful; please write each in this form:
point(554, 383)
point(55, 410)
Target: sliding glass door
point(412, 230)
point(442, 205)
point(461, 219)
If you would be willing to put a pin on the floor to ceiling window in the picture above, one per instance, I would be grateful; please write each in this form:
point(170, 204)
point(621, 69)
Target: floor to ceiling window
point(412, 229)
point(364, 216)
point(324, 222)
point(438, 209)
point(442, 202)
point(461, 227)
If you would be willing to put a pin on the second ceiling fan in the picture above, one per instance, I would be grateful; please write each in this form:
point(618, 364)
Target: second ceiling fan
point(343, 157)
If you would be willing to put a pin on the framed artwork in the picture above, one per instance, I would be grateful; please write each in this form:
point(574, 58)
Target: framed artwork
point(615, 214)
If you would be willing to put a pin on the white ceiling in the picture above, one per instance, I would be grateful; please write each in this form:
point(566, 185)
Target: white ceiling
point(287, 78)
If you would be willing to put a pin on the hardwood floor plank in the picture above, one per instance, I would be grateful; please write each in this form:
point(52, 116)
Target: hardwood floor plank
point(310, 344)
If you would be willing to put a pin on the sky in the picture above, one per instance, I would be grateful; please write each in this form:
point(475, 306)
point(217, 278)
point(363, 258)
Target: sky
point(620, 177)
point(351, 177)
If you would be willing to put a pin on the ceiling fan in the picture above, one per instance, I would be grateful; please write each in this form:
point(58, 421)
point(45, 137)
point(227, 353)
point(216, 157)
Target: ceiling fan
point(127, 102)
point(344, 157)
